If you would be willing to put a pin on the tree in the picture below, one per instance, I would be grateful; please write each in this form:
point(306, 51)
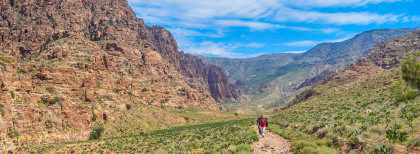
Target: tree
point(411, 69)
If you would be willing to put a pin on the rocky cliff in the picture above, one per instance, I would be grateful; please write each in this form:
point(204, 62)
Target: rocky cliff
point(211, 75)
point(67, 65)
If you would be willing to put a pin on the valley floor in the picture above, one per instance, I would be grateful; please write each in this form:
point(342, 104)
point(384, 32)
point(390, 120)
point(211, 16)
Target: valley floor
point(220, 137)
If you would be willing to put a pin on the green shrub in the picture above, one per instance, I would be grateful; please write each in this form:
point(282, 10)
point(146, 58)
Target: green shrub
point(92, 109)
point(96, 133)
point(54, 101)
point(93, 117)
point(393, 134)
point(128, 106)
point(5, 60)
point(243, 148)
point(353, 141)
point(322, 133)
point(411, 69)
point(326, 150)
point(20, 71)
point(329, 142)
point(402, 93)
point(298, 146)
point(13, 94)
point(2, 111)
point(42, 103)
point(12, 133)
point(308, 150)
point(381, 148)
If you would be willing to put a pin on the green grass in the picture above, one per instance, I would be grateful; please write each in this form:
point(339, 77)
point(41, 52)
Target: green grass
point(302, 142)
point(364, 109)
point(231, 136)
point(145, 118)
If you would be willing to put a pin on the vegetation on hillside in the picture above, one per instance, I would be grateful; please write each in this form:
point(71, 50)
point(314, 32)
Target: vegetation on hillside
point(232, 136)
point(146, 118)
point(366, 114)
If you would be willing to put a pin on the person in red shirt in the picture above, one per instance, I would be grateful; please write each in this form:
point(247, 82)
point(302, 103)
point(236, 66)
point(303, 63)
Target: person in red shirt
point(263, 124)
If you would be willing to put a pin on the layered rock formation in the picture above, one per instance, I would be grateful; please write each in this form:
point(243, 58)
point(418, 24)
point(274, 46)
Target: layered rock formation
point(212, 75)
point(67, 65)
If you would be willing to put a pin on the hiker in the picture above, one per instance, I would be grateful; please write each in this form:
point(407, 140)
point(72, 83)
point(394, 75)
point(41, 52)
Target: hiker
point(263, 124)
point(258, 123)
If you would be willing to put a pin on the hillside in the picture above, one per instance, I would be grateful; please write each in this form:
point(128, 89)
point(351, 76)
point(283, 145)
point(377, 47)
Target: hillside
point(273, 80)
point(357, 110)
point(67, 66)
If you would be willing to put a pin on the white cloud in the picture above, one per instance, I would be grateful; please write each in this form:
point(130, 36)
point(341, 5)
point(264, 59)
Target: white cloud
point(309, 43)
point(305, 43)
point(414, 18)
point(251, 24)
point(222, 49)
point(255, 14)
point(216, 49)
point(239, 13)
point(255, 45)
point(334, 3)
point(295, 51)
point(358, 18)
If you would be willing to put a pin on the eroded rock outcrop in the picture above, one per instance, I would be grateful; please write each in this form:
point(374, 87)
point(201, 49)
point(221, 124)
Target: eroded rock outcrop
point(210, 75)
point(68, 65)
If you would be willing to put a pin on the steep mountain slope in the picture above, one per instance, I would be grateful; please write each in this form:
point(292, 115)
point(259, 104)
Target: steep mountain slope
point(273, 79)
point(66, 66)
point(354, 109)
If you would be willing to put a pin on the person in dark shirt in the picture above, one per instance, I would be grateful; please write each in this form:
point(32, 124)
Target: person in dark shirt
point(259, 122)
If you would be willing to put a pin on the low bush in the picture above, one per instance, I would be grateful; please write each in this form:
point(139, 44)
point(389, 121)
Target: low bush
point(96, 132)
point(243, 148)
point(301, 142)
point(13, 133)
point(322, 133)
point(353, 141)
point(308, 150)
point(382, 148)
point(5, 60)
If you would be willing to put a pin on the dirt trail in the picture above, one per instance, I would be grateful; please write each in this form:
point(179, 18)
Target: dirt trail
point(271, 143)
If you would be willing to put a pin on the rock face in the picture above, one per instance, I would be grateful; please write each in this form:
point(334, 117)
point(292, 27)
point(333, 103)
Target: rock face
point(211, 75)
point(317, 79)
point(389, 54)
point(67, 65)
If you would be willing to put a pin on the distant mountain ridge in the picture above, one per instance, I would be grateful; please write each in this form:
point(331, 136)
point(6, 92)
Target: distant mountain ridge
point(360, 96)
point(272, 79)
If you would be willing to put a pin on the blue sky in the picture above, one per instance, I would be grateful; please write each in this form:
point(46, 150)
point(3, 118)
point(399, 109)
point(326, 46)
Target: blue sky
point(248, 28)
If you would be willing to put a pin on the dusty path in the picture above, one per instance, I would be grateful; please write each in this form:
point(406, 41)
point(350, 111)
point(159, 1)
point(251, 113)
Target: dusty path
point(271, 143)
